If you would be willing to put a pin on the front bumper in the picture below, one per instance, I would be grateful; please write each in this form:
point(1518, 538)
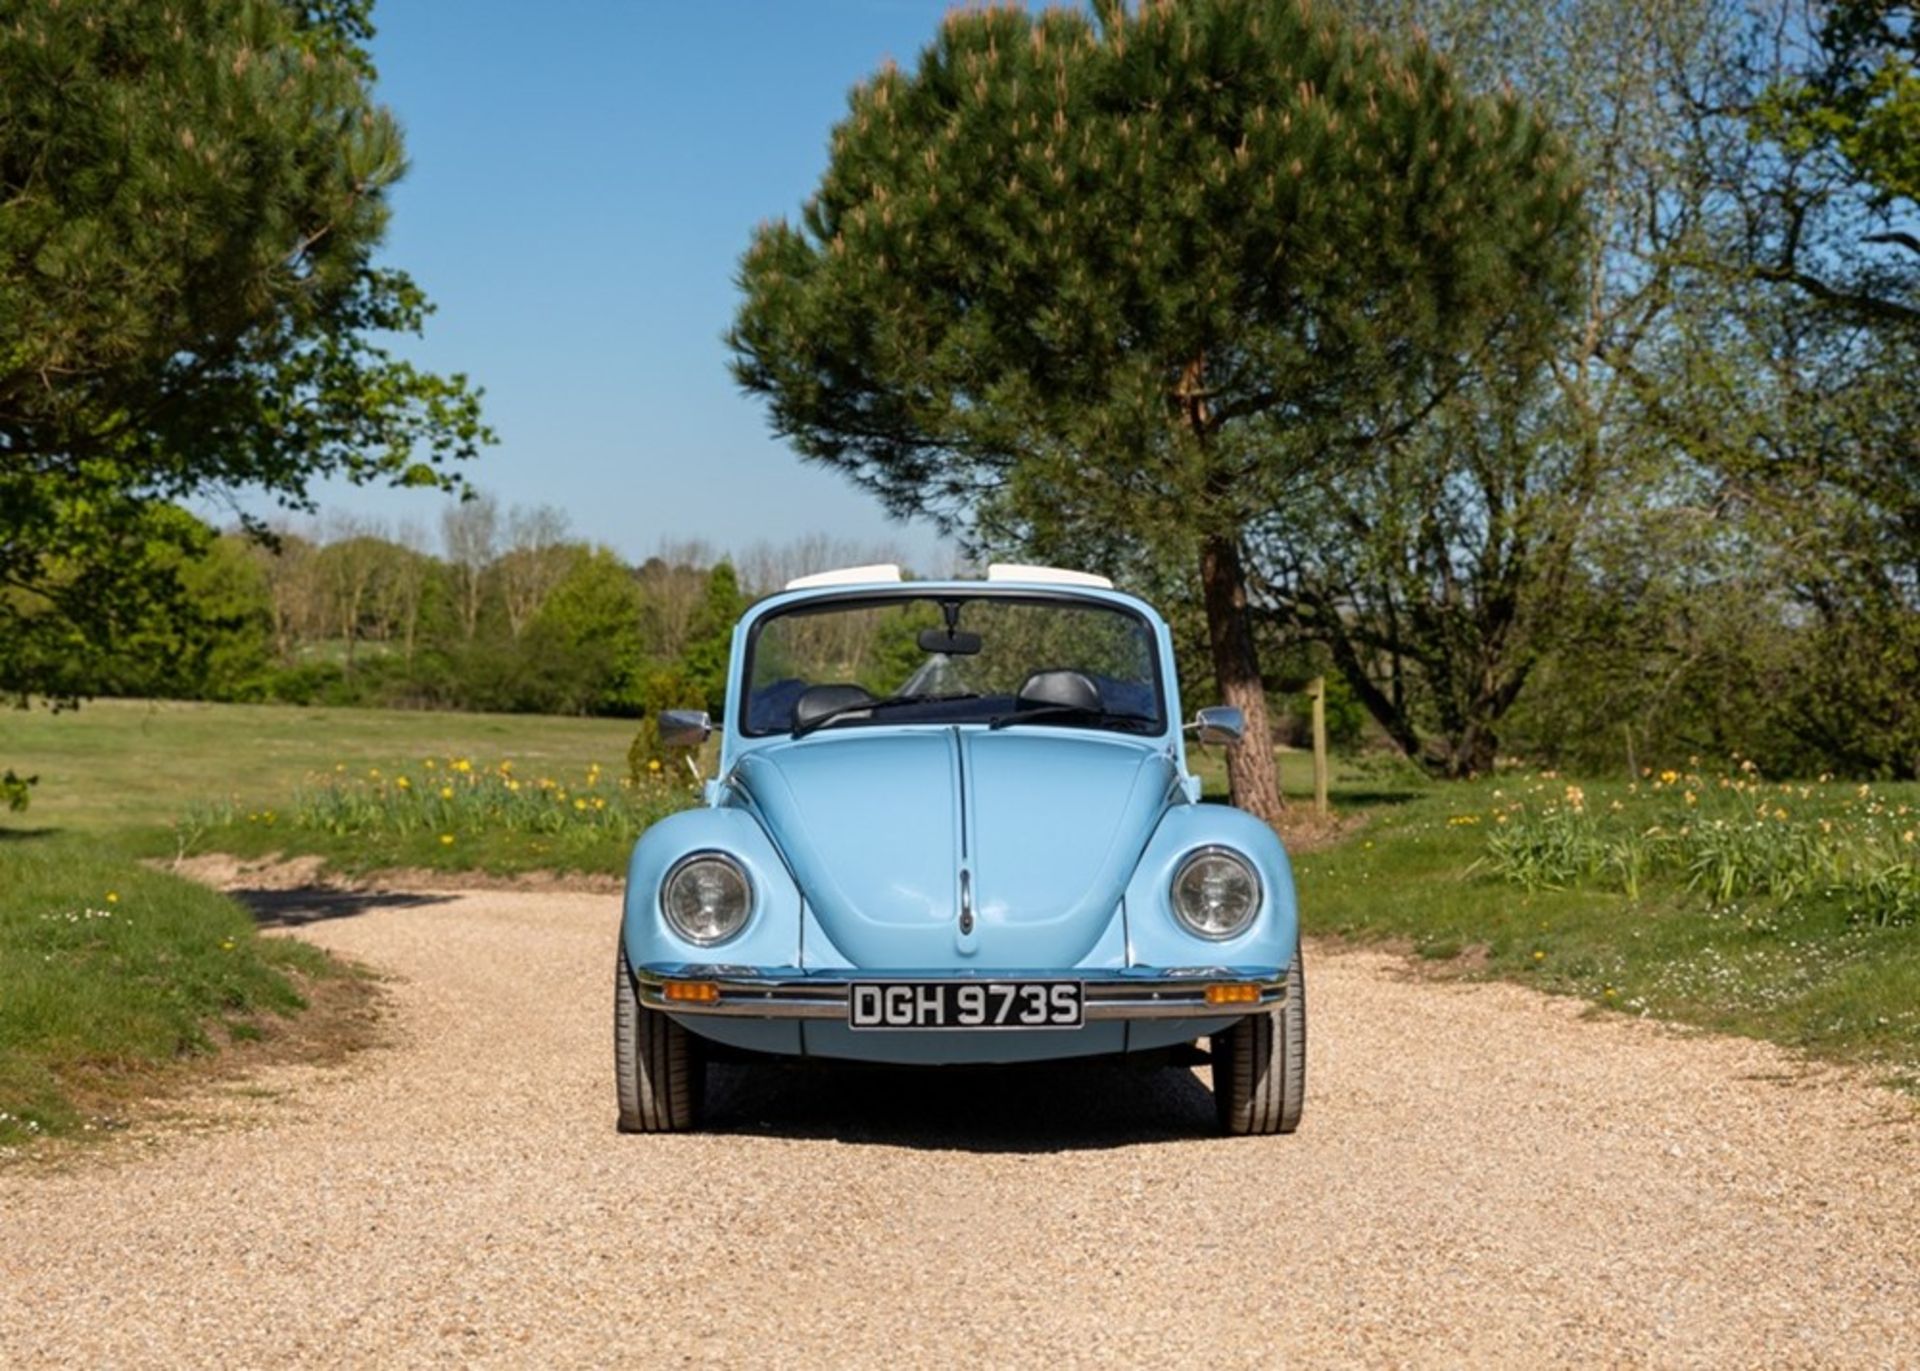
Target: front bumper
point(790, 993)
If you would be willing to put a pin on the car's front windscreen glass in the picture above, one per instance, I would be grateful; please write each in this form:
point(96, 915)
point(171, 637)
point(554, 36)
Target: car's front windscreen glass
point(952, 659)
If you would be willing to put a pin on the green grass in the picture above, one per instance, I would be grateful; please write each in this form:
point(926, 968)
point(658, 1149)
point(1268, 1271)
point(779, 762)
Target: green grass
point(448, 814)
point(97, 1008)
point(118, 764)
point(112, 974)
point(1808, 970)
point(1353, 783)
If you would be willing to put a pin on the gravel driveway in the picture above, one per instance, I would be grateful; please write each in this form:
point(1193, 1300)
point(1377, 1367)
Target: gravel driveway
point(1481, 1177)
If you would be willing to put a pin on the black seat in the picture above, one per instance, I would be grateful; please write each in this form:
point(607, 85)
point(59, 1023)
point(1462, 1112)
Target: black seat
point(1059, 689)
point(816, 702)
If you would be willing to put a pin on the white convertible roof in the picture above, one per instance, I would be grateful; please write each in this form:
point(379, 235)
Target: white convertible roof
point(885, 573)
point(878, 572)
point(1045, 575)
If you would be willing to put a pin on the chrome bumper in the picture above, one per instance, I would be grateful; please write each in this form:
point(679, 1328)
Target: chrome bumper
point(783, 993)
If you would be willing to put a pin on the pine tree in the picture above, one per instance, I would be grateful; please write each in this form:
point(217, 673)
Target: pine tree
point(1110, 283)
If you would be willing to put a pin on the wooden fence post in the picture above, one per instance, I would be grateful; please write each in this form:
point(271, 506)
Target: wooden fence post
point(1317, 688)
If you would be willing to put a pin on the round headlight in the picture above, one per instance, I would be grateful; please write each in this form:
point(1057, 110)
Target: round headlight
point(1215, 893)
point(706, 898)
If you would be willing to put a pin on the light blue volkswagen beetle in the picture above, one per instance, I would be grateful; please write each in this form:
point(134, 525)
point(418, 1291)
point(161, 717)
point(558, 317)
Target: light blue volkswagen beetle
point(953, 823)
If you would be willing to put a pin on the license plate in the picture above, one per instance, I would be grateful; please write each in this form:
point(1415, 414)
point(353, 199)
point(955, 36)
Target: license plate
point(965, 1004)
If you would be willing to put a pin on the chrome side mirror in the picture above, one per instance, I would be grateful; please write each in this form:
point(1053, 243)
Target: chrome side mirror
point(684, 727)
point(1222, 725)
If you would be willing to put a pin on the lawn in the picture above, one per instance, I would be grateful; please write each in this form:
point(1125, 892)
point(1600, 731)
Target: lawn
point(118, 764)
point(1816, 967)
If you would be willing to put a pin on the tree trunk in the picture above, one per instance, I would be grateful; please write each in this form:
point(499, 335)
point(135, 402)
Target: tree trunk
point(1471, 752)
point(1252, 778)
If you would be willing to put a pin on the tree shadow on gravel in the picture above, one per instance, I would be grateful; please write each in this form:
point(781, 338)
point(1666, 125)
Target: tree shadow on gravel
point(1044, 1107)
point(316, 904)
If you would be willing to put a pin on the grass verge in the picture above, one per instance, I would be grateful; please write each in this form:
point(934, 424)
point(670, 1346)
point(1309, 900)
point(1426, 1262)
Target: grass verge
point(1805, 969)
point(112, 976)
point(446, 814)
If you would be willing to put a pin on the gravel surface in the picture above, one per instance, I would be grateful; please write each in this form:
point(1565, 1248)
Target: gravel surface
point(1481, 1178)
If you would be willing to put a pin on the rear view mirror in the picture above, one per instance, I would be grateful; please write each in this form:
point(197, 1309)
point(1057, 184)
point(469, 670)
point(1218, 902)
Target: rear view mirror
point(684, 727)
point(952, 641)
point(1223, 725)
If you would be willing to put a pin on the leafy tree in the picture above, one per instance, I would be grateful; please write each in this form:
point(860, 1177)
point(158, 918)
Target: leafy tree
point(193, 194)
point(537, 559)
point(1114, 284)
point(585, 641)
point(351, 568)
point(218, 648)
point(1845, 123)
point(470, 531)
point(1708, 494)
point(672, 586)
point(710, 640)
point(1443, 573)
point(1437, 575)
point(1801, 408)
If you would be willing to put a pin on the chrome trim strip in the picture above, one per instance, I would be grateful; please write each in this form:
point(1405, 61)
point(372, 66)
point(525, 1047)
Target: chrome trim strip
point(1134, 994)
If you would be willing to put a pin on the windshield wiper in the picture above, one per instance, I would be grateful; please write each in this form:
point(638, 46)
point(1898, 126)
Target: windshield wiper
point(869, 706)
point(1021, 716)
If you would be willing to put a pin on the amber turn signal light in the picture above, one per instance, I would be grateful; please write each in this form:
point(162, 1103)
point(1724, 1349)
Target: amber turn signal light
point(691, 992)
point(1239, 993)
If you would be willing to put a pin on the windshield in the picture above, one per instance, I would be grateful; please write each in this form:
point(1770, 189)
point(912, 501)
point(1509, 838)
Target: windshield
point(952, 659)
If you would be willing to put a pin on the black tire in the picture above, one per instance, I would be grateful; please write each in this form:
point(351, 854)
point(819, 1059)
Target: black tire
point(659, 1071)
point(1260, 1065)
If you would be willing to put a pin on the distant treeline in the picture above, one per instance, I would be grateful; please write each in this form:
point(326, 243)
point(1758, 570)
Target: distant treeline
point(505, 611)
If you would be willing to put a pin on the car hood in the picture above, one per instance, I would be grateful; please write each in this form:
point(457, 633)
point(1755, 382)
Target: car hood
point(882, 830)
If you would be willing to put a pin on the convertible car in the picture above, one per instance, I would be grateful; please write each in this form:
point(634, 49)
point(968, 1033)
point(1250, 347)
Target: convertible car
point(953, 823)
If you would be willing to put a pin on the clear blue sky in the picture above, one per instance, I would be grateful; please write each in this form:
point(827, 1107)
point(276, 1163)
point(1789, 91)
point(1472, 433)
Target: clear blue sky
point(585, 174)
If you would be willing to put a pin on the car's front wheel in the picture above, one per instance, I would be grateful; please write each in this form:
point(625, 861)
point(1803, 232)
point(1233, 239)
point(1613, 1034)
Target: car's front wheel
point(1260, 1065)
point(659, 1070)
